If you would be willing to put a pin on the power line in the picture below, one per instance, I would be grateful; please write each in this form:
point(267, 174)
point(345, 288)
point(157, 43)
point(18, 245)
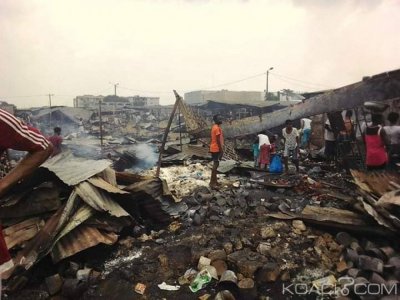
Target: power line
point(233, 82)
point(298, 84)
point(298, 80)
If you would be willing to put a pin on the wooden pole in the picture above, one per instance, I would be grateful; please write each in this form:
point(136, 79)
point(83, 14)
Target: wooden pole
point(180, 128)
point(165, 136)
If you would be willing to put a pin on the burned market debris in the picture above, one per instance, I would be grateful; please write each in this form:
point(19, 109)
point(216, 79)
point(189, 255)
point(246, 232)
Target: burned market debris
point(101, 225)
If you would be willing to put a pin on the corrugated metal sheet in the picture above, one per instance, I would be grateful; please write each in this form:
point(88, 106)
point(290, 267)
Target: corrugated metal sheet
point(81, 238)
point(73, 170)
point(102, 184)
point(22, 232)
point(83, 213)
point(99, 200)
point(375, 182)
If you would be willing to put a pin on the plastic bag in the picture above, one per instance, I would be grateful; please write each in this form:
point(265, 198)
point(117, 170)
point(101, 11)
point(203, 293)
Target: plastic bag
point(276, 165)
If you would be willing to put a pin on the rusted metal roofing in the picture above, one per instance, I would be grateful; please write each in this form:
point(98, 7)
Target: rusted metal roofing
point(73, 170)
point(81, 238)
point(377, 183)
point(99, 199)
point(104, 185)
point(22, 232)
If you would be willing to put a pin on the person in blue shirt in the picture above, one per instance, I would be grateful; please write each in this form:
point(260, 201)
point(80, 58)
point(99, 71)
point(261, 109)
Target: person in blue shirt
point(256, 152)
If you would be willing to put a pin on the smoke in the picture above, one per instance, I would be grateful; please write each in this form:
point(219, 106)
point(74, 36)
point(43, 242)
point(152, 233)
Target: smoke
point(146, 155)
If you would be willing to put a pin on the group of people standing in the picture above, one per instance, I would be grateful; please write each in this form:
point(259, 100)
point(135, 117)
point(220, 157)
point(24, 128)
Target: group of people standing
point(382, 143)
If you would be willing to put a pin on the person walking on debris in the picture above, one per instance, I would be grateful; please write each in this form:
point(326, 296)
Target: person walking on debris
point(374, 135)
point(291, 140)
point(330, 141)
point(15, 135)
point(56, 140)
point(216, 148)
point(347, 135)
point(305, 132)
point(393, 140)
point(256, 152)
point(264, 146)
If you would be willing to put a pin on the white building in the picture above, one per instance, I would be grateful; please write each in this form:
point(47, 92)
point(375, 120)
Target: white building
point(88, 101)
point(201, 97)
point(139, 101)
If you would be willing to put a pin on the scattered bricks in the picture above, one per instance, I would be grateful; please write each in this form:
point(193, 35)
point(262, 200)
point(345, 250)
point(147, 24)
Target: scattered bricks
point(94, 277)
point(367, 245)
point(328, 281)
point(285, 276)
point(246, 283)
point(217, 230)
point(84, 274)
point(351, 255)
point(298, 224)
point(205, 297)
point(163, 259)
point(376, 278)
point(73, 289)
point(264, 248)
point(224, 295)
point(140, 288)
point(376, 252)
point(344, 239)
point(353, 272)
point(268, 232)
point(204, 197)
point(268, 273)
point(217, 255)
point(360, 286)
point(212, 271)
point(356, 247)
point(247, 261)
point(229, 276)
point(203, 261)
point(54, 284)
point(388, 251)
point(228, 247)
point(238, 245)
point(370, 264)
point(341, 266)
point(220, 266)
point(394, 261)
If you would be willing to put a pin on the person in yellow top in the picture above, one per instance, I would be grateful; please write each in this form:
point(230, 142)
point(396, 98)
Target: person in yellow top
point(216, 148)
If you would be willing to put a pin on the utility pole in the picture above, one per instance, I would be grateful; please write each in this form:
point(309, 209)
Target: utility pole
point(115, 88)
point(50, 108)
point(101, 125)
point(266, 90)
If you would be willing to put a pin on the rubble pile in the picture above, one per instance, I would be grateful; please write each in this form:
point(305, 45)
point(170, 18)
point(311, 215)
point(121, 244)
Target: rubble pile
point(71, 205)
point(247, 240)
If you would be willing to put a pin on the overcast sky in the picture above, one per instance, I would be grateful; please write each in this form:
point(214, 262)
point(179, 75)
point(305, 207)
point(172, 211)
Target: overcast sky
point(75, 47)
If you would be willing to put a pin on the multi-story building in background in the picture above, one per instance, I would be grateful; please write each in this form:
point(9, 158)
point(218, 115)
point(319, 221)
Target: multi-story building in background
point(87, 101)
point(139, 101)
point(201, 97)
point(115, 102)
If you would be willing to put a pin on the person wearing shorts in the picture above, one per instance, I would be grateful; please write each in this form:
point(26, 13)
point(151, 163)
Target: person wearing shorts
point(291, 138)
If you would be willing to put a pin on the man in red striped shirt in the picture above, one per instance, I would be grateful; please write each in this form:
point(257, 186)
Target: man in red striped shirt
point(16, 135)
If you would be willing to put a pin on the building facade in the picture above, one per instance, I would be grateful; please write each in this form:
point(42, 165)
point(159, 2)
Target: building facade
point(115, 102)
point(139, 101)
point(201, 97)
point(88, 101)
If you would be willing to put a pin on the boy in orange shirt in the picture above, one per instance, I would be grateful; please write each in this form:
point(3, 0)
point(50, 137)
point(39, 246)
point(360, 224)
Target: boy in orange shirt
point(216, 148)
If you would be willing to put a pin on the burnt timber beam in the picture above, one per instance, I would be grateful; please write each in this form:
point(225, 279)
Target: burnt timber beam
point(380, 87)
